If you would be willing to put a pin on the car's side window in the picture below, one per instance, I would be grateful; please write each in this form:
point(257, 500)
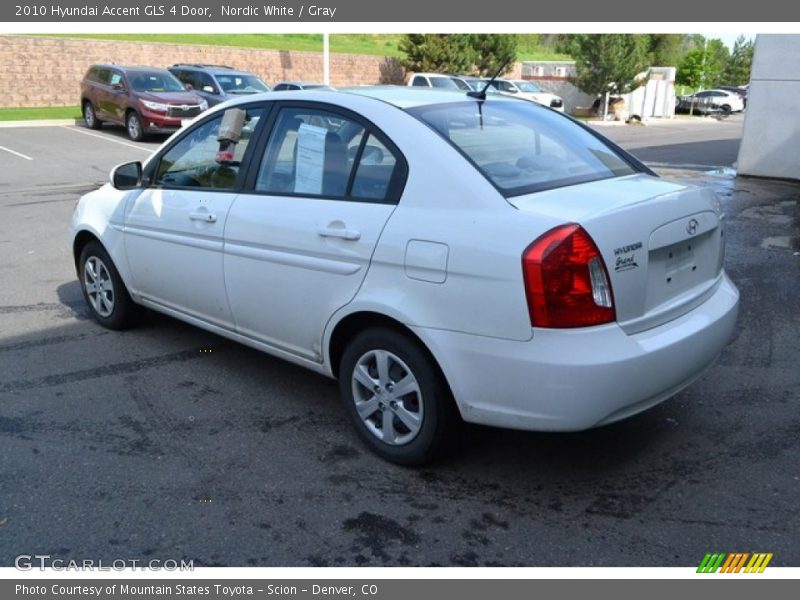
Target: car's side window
point(103, 76)
point(206, 83)
point(419, 81)
point(310, 152)
point(201, 160)
point(184, 76)
point(116, 78)
point(375, 170)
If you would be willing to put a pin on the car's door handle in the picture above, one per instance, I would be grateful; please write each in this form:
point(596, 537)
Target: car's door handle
point(206, 217)
point(337, 232)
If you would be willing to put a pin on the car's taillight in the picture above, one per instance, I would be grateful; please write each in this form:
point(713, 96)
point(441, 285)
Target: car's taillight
point(566, 281)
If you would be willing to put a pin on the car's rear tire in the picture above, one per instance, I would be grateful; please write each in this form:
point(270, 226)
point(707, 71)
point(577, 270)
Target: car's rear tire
point(104, 291)
point(134, 126)
point(90, 116)
point(396, 397)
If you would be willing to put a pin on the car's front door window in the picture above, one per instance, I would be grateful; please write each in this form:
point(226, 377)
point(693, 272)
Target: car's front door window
point(198, 160)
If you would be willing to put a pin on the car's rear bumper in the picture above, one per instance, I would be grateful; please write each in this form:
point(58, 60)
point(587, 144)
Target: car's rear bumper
point(568, 380)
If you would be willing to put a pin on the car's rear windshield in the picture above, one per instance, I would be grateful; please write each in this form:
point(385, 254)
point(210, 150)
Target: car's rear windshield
point(143, 81)
point(521, 147)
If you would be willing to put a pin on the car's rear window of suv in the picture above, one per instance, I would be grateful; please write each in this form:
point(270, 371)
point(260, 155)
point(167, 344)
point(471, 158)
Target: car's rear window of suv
point(521, 147)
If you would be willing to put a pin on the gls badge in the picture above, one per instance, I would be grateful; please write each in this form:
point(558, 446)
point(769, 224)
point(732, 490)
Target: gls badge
point(626, 257)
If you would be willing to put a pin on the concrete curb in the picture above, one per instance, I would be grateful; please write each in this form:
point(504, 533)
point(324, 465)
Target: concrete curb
point(40, 123)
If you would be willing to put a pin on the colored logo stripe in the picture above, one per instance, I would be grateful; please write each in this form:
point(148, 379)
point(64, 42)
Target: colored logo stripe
point(734, 562)
point(758, 563)
point(710, 563)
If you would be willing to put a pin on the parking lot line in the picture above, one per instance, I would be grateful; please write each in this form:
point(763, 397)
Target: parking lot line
point(15, 153)
point(106, 138)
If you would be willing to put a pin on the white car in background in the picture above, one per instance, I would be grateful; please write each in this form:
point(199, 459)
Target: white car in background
point(439, 81)
point(711, 101)
point(445, 257)
point(519, 88)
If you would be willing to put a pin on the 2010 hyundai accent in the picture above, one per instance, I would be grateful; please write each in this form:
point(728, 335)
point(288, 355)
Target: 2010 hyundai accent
point(446, 257)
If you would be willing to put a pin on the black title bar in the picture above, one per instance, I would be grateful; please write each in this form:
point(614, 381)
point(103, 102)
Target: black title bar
point(360, 11)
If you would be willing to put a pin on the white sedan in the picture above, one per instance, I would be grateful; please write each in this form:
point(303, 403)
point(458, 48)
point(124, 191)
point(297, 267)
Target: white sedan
point(521, 88)
point(448, 258)
point(712, 101)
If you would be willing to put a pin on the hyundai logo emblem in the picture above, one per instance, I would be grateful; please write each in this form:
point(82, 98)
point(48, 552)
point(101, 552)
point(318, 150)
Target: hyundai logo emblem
point(691, 226)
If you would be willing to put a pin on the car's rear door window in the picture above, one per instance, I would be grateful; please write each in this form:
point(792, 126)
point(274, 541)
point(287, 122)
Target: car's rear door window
point(313, 152)
point(116, 78)
point(521, 147)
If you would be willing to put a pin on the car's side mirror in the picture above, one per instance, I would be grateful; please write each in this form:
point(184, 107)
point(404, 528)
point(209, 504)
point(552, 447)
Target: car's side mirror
point(188, 87)
point(118, 87)
point(127, 176)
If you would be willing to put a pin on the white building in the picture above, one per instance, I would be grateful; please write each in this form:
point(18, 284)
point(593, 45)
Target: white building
point(771, 138)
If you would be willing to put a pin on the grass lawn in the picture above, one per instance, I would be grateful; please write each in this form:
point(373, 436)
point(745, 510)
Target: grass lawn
point(374, 44)
point(30, 114)
point(383, 45)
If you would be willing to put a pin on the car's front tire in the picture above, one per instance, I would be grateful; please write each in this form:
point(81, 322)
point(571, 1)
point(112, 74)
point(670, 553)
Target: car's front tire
point(103, 289)
point(90, 116)
point(134, 126)
point(396, 397)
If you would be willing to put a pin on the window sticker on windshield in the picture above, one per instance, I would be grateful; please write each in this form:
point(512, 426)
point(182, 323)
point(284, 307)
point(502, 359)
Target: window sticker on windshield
point(310, 159)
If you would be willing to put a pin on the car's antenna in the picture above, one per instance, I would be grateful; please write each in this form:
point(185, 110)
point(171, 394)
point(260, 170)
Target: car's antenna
point(482, 94)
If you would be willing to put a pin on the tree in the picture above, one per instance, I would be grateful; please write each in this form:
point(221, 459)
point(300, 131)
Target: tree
point(703, 67)
point(666, 49)
point(737, 71)
point(717, 57)
point(607, 62)
point(446, 53)
point(481, 54)
point(691, 69)
point(492, 51)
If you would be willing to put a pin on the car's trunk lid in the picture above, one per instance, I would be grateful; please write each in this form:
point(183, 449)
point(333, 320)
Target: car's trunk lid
point(662, 241)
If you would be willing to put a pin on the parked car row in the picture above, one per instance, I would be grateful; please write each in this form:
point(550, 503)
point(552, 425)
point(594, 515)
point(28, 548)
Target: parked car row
point(519, 88)
point(147, 100)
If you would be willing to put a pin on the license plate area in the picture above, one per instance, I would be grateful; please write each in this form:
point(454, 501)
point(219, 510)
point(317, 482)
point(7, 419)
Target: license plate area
point(677, 268)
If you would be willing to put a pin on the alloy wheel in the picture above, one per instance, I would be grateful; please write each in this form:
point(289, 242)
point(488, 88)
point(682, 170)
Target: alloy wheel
point(99, 287)
point(134, 127)
point(387, 397)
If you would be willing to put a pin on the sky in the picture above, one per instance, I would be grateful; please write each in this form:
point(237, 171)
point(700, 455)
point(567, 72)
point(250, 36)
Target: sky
point(728, 38)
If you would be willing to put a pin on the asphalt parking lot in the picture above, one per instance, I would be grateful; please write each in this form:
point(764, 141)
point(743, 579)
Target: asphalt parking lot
point(166, 442)
point(693, 142)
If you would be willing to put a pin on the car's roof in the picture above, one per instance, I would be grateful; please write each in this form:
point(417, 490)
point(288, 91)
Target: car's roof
point(214, 69)
point(294, 82)
point(404, 97)
point(435, 75)
point(399, 96)
point(132, 68)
